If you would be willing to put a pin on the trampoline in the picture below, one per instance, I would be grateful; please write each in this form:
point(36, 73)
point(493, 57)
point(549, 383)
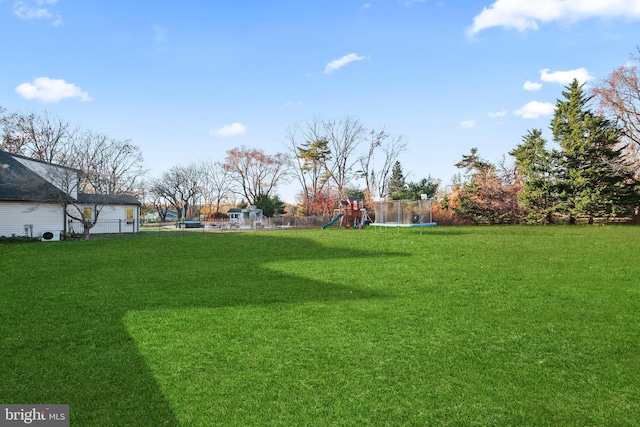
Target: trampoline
point(404, 213)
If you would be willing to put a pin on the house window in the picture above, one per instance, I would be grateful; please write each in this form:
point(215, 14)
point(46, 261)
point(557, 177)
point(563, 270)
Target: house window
point(129, 216)
point(87, 212)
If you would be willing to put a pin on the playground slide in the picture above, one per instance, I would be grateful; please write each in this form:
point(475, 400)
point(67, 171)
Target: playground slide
point(330, 223)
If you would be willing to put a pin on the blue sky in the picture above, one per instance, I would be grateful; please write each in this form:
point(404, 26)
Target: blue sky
point(187, 80)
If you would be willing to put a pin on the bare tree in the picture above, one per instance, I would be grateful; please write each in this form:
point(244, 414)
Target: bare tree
point(344, 137)
point(256, 174)
point(161, 204)
point(216, 183)
point(181, 186)
point(391, 147)
point(39, 136)
point(619, 97)
point(330, 151)
point(110, 166)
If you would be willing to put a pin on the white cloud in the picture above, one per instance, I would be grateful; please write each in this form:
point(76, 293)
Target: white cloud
point(525, 15)
point(532, 86)
point(341, 62)
point(47, 89)
point(535, 109)
point(230, 130)
point(498, 114)
point(565, 77)
point(26, 12)
point(467, 124)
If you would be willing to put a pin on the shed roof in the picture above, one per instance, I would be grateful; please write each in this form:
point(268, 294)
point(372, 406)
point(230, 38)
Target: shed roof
point(108, 199)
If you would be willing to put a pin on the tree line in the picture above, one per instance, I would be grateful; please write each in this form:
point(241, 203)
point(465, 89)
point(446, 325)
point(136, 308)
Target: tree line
point(589, 170)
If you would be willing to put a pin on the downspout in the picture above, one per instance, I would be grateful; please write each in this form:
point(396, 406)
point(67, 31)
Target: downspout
point(64, 221)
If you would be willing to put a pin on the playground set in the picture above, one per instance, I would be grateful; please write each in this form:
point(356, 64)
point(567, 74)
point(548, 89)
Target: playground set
point(391, 213)
point(351, 214)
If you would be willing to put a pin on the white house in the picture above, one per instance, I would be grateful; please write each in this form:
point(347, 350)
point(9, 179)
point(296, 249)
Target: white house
point(36, 199)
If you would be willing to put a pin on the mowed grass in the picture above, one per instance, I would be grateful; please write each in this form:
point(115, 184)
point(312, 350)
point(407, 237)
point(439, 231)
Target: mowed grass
point(448, 326)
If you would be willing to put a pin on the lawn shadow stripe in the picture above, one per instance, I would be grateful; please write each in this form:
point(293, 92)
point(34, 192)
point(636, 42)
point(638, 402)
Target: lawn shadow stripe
point(61, 322)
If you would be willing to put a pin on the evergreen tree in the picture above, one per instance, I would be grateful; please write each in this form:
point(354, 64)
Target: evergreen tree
point(270, 205)
point(414, 190)
point(313, 156)
point(594, 179)
point(473, 164)
point(536, 166)
point(397, 184)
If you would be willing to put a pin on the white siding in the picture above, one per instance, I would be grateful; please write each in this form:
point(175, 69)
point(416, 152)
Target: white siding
point(111, 220)
point(112, 213)
point(44, 217)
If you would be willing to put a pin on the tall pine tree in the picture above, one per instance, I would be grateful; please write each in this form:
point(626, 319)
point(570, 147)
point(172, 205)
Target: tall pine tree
point(594, 180)
point(397, 184)
point(535, 166)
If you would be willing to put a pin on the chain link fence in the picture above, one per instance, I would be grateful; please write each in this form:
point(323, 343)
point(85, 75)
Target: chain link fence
point(226, 225)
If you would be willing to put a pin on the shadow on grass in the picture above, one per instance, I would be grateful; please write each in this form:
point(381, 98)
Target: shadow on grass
point(62, 337)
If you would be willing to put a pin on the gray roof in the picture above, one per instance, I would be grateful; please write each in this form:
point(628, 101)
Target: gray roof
point(108, 199)
point(19, 183)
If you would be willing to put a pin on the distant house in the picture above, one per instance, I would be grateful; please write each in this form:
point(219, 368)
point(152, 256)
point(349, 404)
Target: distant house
point(155, 216)
point(151, 217)
point(171, 215)
point(36, 199)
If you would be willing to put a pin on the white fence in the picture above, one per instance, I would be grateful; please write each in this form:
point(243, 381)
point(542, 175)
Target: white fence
point(107, 226)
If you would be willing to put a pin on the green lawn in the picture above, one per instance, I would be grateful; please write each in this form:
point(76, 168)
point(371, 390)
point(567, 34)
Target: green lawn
point(452, 326)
